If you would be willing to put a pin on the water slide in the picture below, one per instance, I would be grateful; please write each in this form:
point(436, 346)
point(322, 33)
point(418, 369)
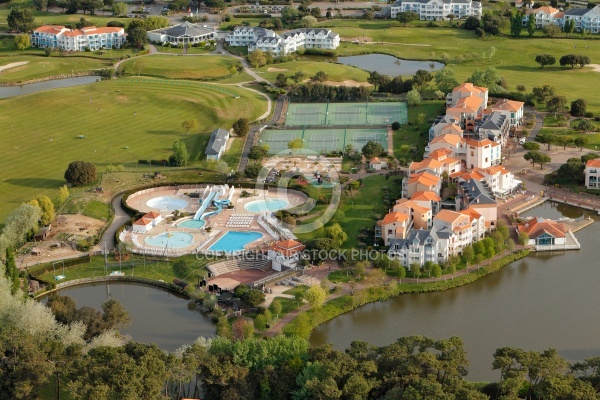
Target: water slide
point(205, 204)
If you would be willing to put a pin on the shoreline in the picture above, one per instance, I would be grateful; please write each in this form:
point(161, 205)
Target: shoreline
point(49, 78)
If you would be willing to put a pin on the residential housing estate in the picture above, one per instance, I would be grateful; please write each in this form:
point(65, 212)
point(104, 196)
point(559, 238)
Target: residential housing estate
point(465, 149)
point(438, 10)
point(185, 33)
point(584, 18)
point(257, 38)
point(90, 37)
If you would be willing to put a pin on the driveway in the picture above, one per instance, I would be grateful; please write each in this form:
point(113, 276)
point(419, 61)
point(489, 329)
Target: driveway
point(107, 240)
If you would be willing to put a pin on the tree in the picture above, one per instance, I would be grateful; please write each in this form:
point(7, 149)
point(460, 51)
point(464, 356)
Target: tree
point(529, 146)
point(516, 23)
point(532, 157)
point(445, 79)
point(281, 80)
point(180, 153)
point(569, 26)
point(215, 4)
point(578, 107)
point(276, 307)
point(119, 8)
point(260, 322)
point(468, 254)
point(407, 17)
point(545, 59)
point(308, 21)
point(115, 315)
point(242, 328)
point(585, 125)
point(436, 271)
point(253, 297)
point(491, 23)
point(315, 296)
point(257, 58)
point(488, 77)
point(20, 19)
point(580, 142)
point(253, 169)
point(80, 173)
point(64, 195)
point(189, 124)
point(137, 37)
point(298, 76)
point(258, 152)
point(320, 76)
point(295, 144)
point(11, 272)
point(573, 60)
point(531, 25)
point(421, 78)
point(22, 41)
point(336, 233)
point(289, 14)
point(413, 98)
point(91, 6)
point(471, 23)
point(556, 104)
point(543, 159)
point(551, 30)
point(241, 127)
point(40, 5)
point(47, 207)
point(372, 149)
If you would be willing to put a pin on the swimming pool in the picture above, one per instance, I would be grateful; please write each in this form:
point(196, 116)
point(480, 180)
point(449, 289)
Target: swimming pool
point(192, 223)
point(167, 203)
point(270, 205)
point(234, 241)
point(172, 240)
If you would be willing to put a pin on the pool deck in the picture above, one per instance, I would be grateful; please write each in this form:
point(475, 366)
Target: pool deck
point(219, 224)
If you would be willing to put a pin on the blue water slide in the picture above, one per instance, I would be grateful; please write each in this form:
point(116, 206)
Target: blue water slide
point(204, 206)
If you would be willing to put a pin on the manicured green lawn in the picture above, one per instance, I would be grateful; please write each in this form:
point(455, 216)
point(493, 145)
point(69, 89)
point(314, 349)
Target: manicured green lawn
point(336, 72)
point(176, 50)
point(38, 66)
point(201, 67)
point(188, 268)
point(88, 207)
point(415, 134)
point(123, 120)
point(233, 155)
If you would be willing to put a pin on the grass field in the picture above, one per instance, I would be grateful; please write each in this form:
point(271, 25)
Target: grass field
point(104, 112)
point(336, 72)
point(514, 58)
point(38, 66)
point(201, 67)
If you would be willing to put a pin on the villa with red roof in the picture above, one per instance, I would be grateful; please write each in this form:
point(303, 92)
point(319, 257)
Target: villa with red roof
point(377, 164)
point(394, 225)
point(544, 232)
point(420, 213)
point(458, 226)
point(421, 182)
point(512, 109)
point(592, 174)
point(142, 225)
point(90, 37)
point(285, 253)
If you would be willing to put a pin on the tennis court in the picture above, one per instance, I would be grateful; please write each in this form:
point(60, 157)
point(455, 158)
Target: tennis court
point(322, 140)
point(340, 114)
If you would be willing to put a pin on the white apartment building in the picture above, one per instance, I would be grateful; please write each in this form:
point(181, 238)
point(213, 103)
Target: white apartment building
point(588, 19)
point(257, 38)
point(419, 247)
point(482, 153)
point(543, 16)
point(59, 37)
point(592, 174)
point(394, 225)
point(459, 227)
point(182, 34)
point(438, 10)
point(514, 110)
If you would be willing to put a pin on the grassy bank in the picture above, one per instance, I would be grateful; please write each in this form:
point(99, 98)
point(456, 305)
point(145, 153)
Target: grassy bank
point(206, 68)
point(361, 297)
point(335, 72)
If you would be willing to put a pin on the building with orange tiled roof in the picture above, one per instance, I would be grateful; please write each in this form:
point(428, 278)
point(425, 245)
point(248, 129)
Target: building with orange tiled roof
point(592, 174)
point(143, 225)
point(428, 199)
point(90, 37)
point(513, 110)
point(420, 182)
point(544, 232)
point(377, 163)
point(427, 164)
point(500, 180)
point(454, 143)
point(450, 165)
point(285, 254)
point(482, 153)
point(420, 213)
point(478, 223)
point(467, 90)
point(543, 16)
point(458, 226)
point(154, 216)
point(394, 225)
point(445, 124)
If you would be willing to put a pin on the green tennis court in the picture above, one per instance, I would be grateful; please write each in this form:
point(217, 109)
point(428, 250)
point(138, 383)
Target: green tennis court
point(340, 114)
point(322, 140)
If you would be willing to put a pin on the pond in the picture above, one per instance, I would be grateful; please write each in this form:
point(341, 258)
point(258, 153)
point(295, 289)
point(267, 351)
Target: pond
point(389, 65)
point(157, 316)
point(13, 91)
point(542, 301)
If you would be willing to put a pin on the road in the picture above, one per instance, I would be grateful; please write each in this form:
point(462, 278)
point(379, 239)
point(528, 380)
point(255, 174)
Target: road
point(107, 240)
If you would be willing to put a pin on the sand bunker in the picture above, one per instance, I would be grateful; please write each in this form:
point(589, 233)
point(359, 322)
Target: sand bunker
point(595, 67)
point(350, 83)
point(277, 69)
point(12, 65)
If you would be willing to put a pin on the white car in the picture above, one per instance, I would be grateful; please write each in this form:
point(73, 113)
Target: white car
point(522, 140)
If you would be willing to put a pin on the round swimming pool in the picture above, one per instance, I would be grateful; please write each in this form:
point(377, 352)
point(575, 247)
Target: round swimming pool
point(192, 223)
point(173, 240)
point(270, 205)
point(167, 203)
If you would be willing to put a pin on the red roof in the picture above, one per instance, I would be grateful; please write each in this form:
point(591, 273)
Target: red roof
point(595, 163)
point(143, 221)
point(288, 247)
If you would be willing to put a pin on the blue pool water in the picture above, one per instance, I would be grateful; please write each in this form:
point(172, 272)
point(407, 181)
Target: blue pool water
point(234, 241)
point(192, 223)
point(270, 205)
point(172, 240)
point(167, 203)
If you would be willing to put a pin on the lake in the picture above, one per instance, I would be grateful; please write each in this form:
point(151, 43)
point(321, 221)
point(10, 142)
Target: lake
point(389, 65)
point(13, 91)
point(542, 301)
point(157, 316)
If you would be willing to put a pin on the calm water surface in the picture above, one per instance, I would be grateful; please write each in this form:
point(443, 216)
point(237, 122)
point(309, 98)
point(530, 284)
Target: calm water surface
point(12, 91)
point(157, 316)
point(538, 302)
point(389, 65)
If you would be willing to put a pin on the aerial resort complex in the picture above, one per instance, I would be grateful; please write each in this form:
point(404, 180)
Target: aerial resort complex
point(299, 200)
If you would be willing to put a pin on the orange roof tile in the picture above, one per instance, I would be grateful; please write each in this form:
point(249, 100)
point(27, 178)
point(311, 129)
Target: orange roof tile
point(450, 129)
point(152, 215)
point(394, 217)
point(454, 140)
point(288, 247)
point(471, 213)
point(426, 163)
point(468, 87)
point(479, 143)
point(508, 105)
point(412, 205)
point(424, 178)
point(426, 195)
point(593, 163)
point(536, 227)
point(53, 29)
point(143, 221)
point(439, 154)
point(448, 216)
point(544, 9)
point(375, 160)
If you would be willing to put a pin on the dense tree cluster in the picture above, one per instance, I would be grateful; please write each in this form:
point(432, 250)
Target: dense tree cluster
point(318, 92)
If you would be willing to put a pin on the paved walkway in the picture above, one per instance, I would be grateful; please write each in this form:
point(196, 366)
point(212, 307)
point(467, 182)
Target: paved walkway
point(107, 241)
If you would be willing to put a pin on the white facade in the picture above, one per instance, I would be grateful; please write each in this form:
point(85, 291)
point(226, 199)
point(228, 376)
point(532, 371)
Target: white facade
point(59, 37)
point(458, 226)
point(438, 10)
point(482, 154)
point(592, 174)
point(584, 19)
point(257, 38)
point(543, 16)
point(182, 34)
point(420, 247)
